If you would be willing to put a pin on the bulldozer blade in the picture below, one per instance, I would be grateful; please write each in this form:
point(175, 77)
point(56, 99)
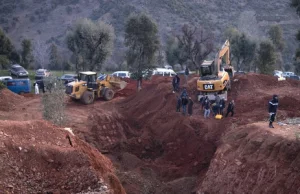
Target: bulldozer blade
point(119, 85)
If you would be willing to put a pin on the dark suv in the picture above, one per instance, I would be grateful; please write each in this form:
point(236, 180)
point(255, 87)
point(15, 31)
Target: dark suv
point(67, 78)
point(295, 77)
point(18, 71)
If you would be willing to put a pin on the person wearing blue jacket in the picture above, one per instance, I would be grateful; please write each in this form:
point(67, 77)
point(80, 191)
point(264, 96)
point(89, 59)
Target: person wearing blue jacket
point(273, 105)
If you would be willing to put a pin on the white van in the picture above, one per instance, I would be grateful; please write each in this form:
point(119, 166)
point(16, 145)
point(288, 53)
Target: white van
point(163, 72)
point(122, 74)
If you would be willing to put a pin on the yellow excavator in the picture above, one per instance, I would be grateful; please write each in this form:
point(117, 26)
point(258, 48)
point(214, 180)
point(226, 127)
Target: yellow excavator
point(215, 75)
point(88, 87)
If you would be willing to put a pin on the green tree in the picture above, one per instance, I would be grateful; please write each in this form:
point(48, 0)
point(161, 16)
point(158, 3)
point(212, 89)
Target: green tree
point(175, 54)
point(266, 57)
point(27, 57)
point(276, 35)
point(54, 58)
point(7, 51)
point(296, 4)
point(241, 47)
point(195, 43)
point(142, 41)
point(91, 43)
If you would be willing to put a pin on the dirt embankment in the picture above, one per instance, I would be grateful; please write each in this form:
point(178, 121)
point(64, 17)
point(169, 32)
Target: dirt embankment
point(255, 159)
point(157, 150)
point(180, 149)
point(36, 156)
point(251, 157)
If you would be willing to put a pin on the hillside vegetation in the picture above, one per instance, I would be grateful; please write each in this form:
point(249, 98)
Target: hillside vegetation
point(50, 20)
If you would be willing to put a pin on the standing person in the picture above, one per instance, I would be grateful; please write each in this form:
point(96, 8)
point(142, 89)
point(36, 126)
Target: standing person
point(186, 73)
point(42, 86)
point(273, 105)
point(217, 98)
point(184, 93)
point(184, 102)
point(178, 82)
point(36, 88)
point(190, 106)
point(215, 109)
point(204, 101)
point(178, 104)
point(174, 83)
point(230, 108)
point(222, 105)
point(206, 108)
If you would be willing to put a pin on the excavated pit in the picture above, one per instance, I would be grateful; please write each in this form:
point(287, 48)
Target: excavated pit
point(155, 149)
point(160, 151)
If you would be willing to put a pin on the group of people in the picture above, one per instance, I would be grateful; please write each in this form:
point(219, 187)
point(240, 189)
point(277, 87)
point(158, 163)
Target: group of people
point(217, 106)
point(185, 102)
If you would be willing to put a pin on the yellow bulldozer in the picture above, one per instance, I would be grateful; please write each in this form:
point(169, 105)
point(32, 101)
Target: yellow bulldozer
point(215, 75)
point(88, 87)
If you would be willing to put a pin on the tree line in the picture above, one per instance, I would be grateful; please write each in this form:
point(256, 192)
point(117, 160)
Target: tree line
point(92, 42)
point(33, 54)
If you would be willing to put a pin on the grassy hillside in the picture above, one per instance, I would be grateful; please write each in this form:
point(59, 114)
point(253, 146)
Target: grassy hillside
point(49, 20)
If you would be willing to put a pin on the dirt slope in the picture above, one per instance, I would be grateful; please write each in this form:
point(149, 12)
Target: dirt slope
point(36, 156)
point(157, 150)
point(255, 159)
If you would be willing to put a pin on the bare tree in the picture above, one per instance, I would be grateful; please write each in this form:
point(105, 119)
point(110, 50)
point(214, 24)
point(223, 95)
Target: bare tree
point(40, 53)
point(196, 43)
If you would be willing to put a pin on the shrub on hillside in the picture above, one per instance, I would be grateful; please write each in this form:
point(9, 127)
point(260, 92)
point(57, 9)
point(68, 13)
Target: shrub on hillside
point(2, 85)
point(54, 102)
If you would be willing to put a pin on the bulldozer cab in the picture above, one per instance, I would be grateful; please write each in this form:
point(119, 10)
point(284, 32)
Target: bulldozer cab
point(90, 78)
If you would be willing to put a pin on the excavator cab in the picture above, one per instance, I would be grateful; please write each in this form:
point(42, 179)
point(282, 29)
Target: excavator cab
point(207, 70)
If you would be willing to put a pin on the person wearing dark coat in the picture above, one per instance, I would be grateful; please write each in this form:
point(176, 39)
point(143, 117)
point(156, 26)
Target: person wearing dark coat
point(203, 101)
point(190, 106)
point(174, 83)
point(230, 108)
point(178, 82)
point(184, 93)
point(42, 86)
point(215, 109)
point(184, 102)
point(178, 104)
point(273, 105)
point(206, 108)
point(222, 106)
point(186, 74)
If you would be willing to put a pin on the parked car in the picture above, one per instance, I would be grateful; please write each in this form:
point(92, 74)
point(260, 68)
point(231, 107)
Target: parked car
point(18, 86)
point(101, 77)
point(40, 73)
point(239, 73)
point(18, 71)
point(163, 72)
point(67, 78)
point(288, 74)
point(183, 72)
point(122, 74)
point(3, 78)
point(168, 67)
point(295, 77)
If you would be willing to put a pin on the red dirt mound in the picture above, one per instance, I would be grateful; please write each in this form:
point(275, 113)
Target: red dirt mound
point(9, 100)
point(36, 157)
point(183, 146)
point(256, 159)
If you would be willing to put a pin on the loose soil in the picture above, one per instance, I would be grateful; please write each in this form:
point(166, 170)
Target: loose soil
point(156, 150)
